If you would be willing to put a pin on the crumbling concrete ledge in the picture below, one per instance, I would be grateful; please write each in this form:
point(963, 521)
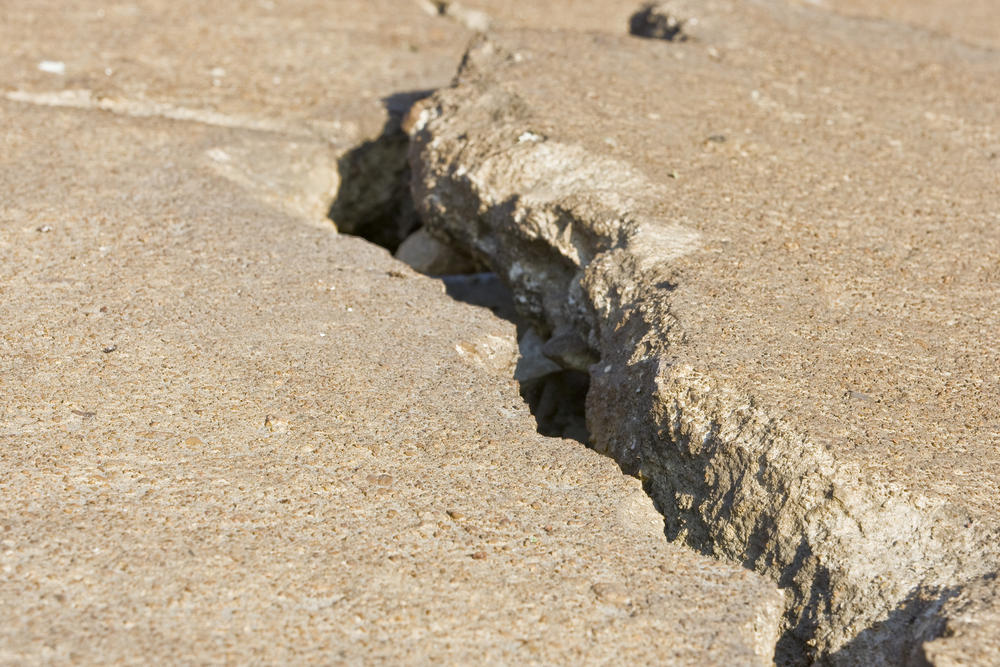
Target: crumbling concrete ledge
point(781, 264)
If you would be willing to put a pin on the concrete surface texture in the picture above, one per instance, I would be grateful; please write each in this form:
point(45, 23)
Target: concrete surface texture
point(972, 21)
point(779, 238)
point(971, 632)
point(302, 66)
point(230, 437)
point(320, 80)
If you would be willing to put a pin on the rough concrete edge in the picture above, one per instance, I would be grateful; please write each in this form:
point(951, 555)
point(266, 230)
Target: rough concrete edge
point(965, 629)
point(757, 490)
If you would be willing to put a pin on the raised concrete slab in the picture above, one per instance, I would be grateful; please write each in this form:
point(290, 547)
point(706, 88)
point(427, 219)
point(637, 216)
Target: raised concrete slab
point(778, 237)
point(229, 437)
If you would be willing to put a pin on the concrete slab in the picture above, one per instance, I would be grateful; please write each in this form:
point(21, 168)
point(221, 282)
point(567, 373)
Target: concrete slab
point(229, 437)
point(582, 15)
point(778, 237)
point(305, 67)
point(972, 21)
point(322, 77)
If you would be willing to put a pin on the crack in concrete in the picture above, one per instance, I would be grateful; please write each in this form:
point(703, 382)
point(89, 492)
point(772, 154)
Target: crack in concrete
point(374, 202)
point(865, 564)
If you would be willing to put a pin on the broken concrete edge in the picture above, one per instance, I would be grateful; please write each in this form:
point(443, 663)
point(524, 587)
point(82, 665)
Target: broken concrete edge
point(373, 197)
point(862, 561)
point(300, 263)
point(966, 632)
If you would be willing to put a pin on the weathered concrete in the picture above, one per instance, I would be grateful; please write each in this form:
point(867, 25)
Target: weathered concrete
point(973, 21)
point(230, 437)
point(782, 249)
point(324, 78)
point(302, 66)
point(206, 462)
point(971, 634)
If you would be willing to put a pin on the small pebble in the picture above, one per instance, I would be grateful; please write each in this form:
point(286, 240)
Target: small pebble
point(611, 593)
point(52, 66)
point(380, 480)
point(479, 555)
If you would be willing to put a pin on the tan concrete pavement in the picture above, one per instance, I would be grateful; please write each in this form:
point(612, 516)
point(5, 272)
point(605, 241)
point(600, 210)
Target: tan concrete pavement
point(229, 437)
point(303, 66)
point(972, 21)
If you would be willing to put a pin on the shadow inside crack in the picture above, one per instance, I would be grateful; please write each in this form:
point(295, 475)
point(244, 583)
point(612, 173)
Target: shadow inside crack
point(374, 202)
point(903, 633)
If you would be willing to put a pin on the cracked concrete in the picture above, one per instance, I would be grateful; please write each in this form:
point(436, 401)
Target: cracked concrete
point(971, 628)
point(786, 267)
point(233, 436)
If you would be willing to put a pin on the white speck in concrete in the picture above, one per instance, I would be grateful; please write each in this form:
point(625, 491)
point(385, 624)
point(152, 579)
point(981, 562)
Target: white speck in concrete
point(218, 155)
point(52, 66)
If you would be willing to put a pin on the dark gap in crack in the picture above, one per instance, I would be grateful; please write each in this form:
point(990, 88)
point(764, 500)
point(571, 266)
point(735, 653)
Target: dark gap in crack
point(374, 202)
point(557, 400)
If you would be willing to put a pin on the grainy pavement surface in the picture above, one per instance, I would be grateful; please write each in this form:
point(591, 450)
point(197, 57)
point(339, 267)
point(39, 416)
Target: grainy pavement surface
point(229, 435)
